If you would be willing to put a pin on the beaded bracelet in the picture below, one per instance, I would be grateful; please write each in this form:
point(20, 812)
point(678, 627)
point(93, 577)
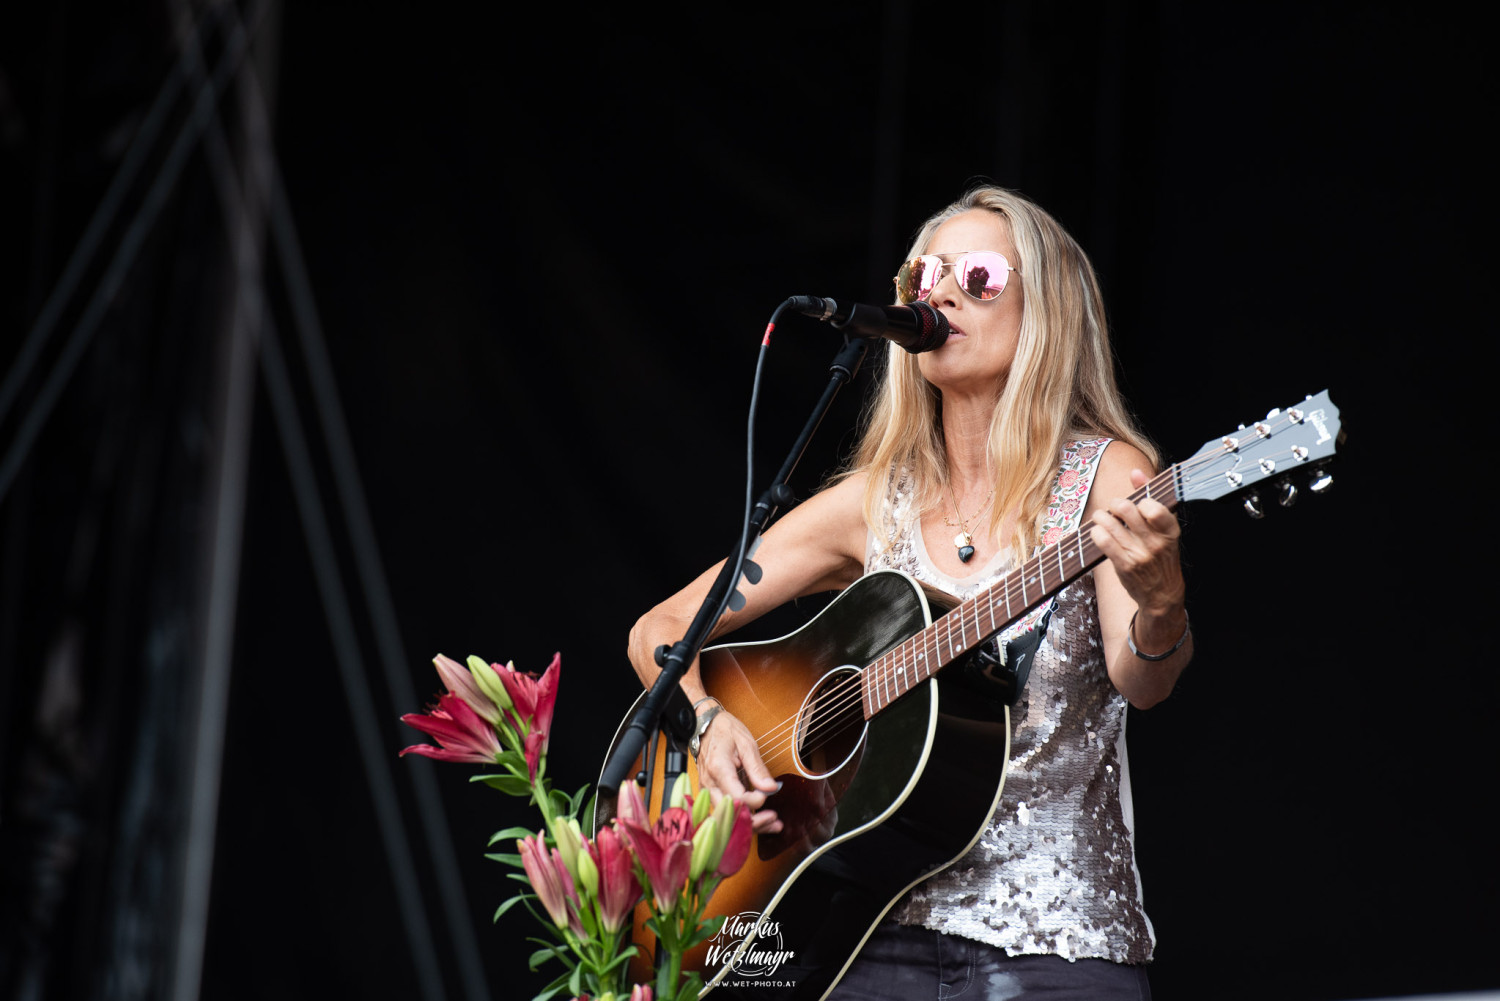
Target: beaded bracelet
point(1187, 627)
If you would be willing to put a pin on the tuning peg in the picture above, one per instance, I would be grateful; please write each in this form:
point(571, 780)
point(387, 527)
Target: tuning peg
point(736, 601)
point(1288, 495)
point(1320, 483)
point(1252, 506)
point(752, 571)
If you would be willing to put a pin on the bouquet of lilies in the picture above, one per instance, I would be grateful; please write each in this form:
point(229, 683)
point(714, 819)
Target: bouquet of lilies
point(587, 888)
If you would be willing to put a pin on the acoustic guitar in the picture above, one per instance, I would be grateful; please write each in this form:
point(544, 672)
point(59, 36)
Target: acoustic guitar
point(886, 719)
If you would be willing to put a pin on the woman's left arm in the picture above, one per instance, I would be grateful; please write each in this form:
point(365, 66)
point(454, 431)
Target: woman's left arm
point(1142, 610)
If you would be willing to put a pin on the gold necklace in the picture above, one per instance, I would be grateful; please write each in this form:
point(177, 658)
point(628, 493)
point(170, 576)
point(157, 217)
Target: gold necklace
point(964, 540)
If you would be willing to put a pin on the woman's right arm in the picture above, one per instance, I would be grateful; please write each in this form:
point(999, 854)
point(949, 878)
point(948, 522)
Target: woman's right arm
point(817, 546)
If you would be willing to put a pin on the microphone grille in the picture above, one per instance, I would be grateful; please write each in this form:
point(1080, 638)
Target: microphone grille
point(932, 328)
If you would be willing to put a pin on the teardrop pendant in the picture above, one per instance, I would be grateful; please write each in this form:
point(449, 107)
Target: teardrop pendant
point(965, 543)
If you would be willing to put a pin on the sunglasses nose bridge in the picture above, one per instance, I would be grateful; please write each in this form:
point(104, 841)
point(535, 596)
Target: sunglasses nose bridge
point(947, 271)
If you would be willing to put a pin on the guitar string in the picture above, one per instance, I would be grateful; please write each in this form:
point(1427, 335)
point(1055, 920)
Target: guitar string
point(831, 714)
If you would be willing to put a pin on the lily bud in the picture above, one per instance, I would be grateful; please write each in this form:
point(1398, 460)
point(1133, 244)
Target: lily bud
point(569, 837)
point(489, 682)
point(679, 792)
point(723, 824)
point(631, 805)
point(705, 857)
point(544, 879)
point(703, 805)
point(587, 875)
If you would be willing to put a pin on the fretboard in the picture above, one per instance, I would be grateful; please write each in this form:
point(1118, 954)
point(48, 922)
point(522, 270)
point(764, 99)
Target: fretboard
point(974, 621)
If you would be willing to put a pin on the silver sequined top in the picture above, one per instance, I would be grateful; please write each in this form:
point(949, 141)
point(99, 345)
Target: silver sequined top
point(1054, 870)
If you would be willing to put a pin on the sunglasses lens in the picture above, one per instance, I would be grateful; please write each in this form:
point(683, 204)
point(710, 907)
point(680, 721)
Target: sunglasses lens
point(917, 277)
point(983, 274)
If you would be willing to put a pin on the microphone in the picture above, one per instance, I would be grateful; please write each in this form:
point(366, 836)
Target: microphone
point(916, 328)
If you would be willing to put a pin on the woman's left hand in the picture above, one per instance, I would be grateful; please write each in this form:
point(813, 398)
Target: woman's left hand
point(1140, 540)
point(1140, 588)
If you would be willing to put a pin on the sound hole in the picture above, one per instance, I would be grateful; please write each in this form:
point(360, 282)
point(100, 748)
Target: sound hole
point(831, 723)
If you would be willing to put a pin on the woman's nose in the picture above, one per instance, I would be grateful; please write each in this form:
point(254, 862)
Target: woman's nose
point(946, 292)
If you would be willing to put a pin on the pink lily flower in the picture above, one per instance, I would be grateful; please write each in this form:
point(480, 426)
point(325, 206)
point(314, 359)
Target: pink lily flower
point(534, 697)
point(619, 890)
point(570, 891)
point(463, 734)
point(545, 878)
point(640, 992)
point(630, 805)
point(665, 849)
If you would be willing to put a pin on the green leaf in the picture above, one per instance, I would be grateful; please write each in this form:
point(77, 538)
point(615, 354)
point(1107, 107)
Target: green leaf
point(552, 988)
point(549, 950)
point(519, 898)
point(510, 833)
point(575, 982)
point(707, 931)
point(692, 986)
point(508, 784)
point(623, 957)
point(514, 860)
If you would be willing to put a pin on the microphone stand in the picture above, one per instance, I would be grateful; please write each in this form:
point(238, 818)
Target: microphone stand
point(665, 707)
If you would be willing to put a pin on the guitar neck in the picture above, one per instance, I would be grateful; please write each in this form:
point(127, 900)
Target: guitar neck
point(974, 621)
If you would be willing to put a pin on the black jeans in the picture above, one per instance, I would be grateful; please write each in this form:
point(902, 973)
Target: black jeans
point(902, 963)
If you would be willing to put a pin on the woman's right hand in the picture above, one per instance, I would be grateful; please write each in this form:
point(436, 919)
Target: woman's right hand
point(729, 764)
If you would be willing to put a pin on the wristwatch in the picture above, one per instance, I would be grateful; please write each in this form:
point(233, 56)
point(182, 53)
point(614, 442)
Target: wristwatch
point(703, 722)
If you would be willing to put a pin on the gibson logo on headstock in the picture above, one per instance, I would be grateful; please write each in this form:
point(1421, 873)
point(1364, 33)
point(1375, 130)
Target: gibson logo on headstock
point(1319, 420)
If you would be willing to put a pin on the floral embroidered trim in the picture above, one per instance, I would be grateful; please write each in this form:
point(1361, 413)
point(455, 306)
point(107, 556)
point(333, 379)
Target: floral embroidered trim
point(1071, 488)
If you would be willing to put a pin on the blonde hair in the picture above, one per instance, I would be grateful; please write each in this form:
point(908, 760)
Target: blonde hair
point(1061, 385)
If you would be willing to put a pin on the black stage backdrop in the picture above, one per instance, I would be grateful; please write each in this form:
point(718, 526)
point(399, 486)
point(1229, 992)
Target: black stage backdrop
point(432, 329)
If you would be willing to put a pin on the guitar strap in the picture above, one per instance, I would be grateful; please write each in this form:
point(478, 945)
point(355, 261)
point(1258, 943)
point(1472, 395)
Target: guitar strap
point(1014, 649)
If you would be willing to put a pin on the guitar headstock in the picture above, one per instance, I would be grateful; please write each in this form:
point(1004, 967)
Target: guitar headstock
point(1286, 446)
